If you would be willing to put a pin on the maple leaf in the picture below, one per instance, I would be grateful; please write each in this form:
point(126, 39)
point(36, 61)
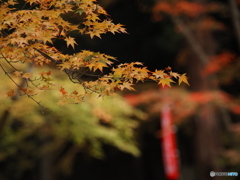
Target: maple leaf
point(119, 28)
point(36, 27)
point(75, 92)
point(26, 90)
point(45, 73)
point(159, 74)
point(26, 75)
point(44, 87)
point(22, 42)
point(168, 68)
point(70, 41)
point(62, 90)
point(109, 57)
point(65, 65)
point(126, 85)
point(96, 66)
point(94, 33)
point(12, 2)
point(137, 63)
point(174, 74)
point(47, 37)
point(140, 73)
point(165, 81)
point(31, 1)
point(17, 73)
point(101, 10)
point(48, 73)
point(118, 72)
point(62, 102)
point(93, 17)
point(10, 93)
point(183, 78)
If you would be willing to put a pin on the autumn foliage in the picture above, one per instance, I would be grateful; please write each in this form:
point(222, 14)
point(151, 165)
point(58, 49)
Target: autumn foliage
point(182, 8)
point(184, 103)
point(28, 33)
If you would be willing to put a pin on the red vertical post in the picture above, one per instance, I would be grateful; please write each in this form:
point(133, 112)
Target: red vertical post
point(169, 145)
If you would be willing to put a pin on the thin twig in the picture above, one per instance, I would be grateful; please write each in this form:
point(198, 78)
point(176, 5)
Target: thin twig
point(191, 39)
point(8, 62)
point(18, 70)
point(47, 56)
point(20, 88)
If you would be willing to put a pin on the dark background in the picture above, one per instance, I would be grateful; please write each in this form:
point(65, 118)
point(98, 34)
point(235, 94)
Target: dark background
point(156, 45)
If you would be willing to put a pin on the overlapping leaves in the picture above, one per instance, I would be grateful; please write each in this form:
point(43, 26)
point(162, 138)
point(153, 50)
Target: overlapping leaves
point(27, 35)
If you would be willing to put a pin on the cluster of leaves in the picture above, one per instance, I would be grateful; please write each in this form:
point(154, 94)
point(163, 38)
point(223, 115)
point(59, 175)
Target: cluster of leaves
point(27, 35)
point(182, 7)
point(218, 62)
point(190, 10)
point(123, 77)
point(201, 17)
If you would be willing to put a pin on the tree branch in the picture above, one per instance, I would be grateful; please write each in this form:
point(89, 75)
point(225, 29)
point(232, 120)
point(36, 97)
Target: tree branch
point(235, 19)
point(193, 42)
point(20, 88)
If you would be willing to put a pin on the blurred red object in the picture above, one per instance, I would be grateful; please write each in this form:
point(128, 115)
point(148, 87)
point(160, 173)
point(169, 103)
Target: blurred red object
point(169, 145)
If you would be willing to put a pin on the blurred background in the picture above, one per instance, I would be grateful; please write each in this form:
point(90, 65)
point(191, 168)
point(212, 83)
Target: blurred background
point(183, 132)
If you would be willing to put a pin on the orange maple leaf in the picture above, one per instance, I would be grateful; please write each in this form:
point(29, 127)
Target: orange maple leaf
point(26, 75)
point(62, 90)
point(10, 93)
point(18, 73)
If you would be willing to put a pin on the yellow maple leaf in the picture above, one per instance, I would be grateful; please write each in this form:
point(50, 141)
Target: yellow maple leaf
point(117, 28)
point(118, 72)
point(174, 74)
point(17, 73)
point(12, 2)
point(70, 41)
point(65, 65)
point(62, 102)
point(95, 33)
point(46, 36)
point(159, 74)
point(183, 78)
point(31, 2)
point(126, 85)
point(100, 10)
point(22, 41)
point(99, 66)
point(166, 81)
point(93, 17)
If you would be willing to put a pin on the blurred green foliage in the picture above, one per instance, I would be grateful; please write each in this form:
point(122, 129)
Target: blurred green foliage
point(29, 134)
